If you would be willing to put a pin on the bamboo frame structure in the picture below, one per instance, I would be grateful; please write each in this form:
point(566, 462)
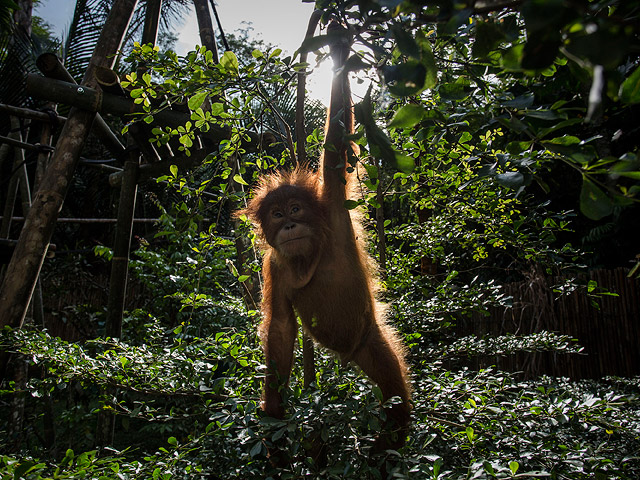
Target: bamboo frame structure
point(24, 268)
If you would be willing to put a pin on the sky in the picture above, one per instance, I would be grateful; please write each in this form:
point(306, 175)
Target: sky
point(282, 23)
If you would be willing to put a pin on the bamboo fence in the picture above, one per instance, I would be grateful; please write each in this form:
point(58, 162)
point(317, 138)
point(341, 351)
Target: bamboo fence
point(607, 327)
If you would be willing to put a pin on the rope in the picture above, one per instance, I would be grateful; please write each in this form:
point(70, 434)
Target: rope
point(53, 115)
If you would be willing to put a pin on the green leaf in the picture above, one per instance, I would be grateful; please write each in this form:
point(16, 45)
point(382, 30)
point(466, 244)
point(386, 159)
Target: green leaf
point(256, 449)
point(238, 178)
point(512, 180)
point(488, 37)
point(405, 79)
point(174, 170)
point(229, 61)
point(594, 203)
point(172, 441)
point(405, 41)
point(185, 140)
point(630, 89)
point(405, 163)
point(454, 91)
point(542, 115)
point(489, 468)
point(566, 145)
point(379, 143)
point(217, 108)
point(470, 434)
point(513, 466)
point(428, 60)
point(437, 466)
point(407, 116)
point(23, 468)
point(350, 204)
point(197, 100)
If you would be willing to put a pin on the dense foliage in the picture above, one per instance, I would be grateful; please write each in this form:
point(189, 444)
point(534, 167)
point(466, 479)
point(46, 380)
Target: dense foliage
point(498, 144)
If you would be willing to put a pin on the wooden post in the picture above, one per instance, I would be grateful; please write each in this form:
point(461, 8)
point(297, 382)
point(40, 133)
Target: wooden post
point(105, 428)
point(26, 262)
point(126, 207)
point(92, 99)
point(121, 248)
point(122, 244)
point(21, 172)
point(46, 136)
point(207, 36)
point(12, 189)
point(151, 22)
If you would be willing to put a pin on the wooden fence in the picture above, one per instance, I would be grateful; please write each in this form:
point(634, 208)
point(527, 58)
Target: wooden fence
point(609, 332)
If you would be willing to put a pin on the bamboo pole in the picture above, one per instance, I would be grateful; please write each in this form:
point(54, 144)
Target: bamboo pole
point(36, 308)
point(4, 154)
point(23, 145)
point(121, 248)
point(124, 225)
point(46, 136)
point(109, 82)
point(51, 66)
point(308, 349)
point(151, 21)
point(26, 262)
point(141, 138)
point(44, 155)
point(21, 171)
point(128, 192)
point(12, 192)
point(88, 98)
point(32, 114)
point(205, 26)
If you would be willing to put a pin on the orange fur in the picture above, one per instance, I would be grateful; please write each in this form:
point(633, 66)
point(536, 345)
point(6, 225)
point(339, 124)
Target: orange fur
point(316, 266)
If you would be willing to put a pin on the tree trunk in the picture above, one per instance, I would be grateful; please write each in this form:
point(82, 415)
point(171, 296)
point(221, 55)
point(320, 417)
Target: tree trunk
point(22, 16)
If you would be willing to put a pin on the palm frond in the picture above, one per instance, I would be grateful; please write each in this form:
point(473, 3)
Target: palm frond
point(88, 20)
point(18, 53)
